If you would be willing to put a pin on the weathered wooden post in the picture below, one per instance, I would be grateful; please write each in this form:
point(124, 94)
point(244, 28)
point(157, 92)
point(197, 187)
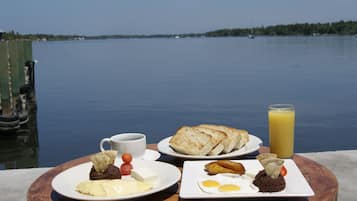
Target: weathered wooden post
point(14, 72)
point(4, 80)
point(9, 119)
point(16, 83)
point(21, 61)
point(30, 73)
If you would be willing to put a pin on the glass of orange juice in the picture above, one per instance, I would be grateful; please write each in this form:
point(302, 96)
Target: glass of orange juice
point(281, 129)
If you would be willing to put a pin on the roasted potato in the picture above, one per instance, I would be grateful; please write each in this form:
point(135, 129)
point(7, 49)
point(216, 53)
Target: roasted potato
point(214, 168)
point(224, 166)
point(236, 167)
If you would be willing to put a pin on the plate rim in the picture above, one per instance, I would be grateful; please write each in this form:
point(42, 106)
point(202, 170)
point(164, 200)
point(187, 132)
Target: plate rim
point(97, 198)
point(164, 143)
point(186, 195)
point(158, 155)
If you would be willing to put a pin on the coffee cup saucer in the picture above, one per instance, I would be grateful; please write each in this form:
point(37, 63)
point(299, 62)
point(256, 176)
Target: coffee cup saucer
point(150, 155)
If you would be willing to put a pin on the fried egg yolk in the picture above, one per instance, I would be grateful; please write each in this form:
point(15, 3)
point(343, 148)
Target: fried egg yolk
point(228, 188)
point(210, 183)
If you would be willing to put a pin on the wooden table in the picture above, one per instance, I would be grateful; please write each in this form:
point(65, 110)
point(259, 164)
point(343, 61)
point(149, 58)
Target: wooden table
point(322, 181)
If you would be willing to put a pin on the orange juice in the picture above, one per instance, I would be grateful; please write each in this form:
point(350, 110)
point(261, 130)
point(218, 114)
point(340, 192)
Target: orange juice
point(281, 130)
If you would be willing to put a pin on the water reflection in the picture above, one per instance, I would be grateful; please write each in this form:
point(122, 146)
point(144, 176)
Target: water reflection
point(19, 148)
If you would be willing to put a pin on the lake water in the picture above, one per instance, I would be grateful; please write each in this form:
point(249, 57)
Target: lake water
point(88, 90)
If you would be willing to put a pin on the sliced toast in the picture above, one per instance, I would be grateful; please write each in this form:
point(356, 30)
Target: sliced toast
point(216, 150)
point(244, 137)
point(219, 136)
point(229, 143)
point(188, 140)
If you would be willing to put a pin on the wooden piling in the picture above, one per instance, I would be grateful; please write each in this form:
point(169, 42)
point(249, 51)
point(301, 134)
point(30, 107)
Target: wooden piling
point(14, 70)
point(13, 107)
point(28, 50)
point(21, 62)
point(4, 79)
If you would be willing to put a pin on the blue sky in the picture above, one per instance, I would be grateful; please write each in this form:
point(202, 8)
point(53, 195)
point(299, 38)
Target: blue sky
point(94, 17)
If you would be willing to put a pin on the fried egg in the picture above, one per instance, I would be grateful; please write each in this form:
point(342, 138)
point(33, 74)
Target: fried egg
point(226, 184)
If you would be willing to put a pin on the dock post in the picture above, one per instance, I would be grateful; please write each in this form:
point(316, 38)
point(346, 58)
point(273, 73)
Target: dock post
point(30, 73)
point(17, 84)
point(4, 79)
point(21, 61)
point(14, 72)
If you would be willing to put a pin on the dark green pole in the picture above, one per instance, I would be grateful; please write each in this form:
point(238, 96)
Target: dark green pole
point(21, 62)
point(4, 78)
point(14, 66)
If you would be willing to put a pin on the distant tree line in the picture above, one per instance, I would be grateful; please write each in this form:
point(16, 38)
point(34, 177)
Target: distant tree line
point(304, 29)
point(145, 36)
point(15, 35)
point(12, 35)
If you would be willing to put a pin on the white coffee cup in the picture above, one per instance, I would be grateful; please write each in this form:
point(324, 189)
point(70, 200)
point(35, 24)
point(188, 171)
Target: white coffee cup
point(133, 143)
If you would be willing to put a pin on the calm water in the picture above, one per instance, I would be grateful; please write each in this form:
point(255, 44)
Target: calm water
point(88, 90)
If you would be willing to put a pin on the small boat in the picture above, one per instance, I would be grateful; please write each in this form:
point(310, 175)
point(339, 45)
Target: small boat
point(251, 36)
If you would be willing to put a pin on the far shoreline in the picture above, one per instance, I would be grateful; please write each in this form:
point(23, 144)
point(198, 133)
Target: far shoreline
point(331, 29)
point(202, 37)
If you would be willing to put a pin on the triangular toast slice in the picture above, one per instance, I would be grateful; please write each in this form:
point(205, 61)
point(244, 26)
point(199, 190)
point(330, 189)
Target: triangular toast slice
point(229, 143)
point(188, 140)
point(217, 135)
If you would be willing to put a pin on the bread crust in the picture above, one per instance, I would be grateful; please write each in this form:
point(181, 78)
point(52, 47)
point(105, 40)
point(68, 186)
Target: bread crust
point(217, 135)
point(231, 141)
point(243, 136)
point(208, 139)
point(188, 140)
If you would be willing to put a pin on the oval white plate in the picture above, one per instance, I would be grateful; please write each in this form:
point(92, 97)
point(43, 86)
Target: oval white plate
point(66, 182)
point(149, 155)
point(252, 146)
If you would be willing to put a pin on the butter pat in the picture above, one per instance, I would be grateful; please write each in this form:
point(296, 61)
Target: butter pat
point(144, 175)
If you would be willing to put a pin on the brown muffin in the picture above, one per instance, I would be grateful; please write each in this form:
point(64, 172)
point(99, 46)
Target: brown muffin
point(266, 184)
point(112, 172)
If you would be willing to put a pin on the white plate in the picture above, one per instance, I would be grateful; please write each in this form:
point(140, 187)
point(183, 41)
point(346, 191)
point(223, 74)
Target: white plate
point(65, 182)
point(252, 146)
point(150, 155)
point(296, 184)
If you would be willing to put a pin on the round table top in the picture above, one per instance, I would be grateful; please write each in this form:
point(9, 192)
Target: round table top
point(321, 180)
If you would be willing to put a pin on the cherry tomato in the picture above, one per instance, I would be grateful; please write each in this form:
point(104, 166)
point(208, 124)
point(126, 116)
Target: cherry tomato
point(125, 168)
point(126, 157)
point(283, 171)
